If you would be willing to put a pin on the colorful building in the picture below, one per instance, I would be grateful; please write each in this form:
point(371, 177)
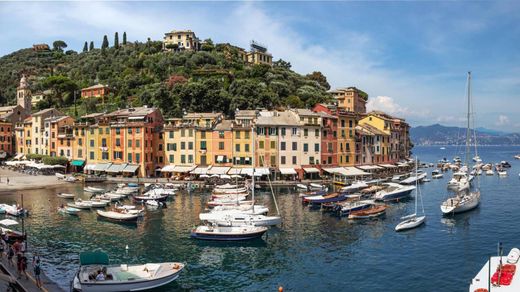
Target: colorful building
point(329, 135)
point(95, 91)
point(181, 40)
point(52, 126)
point(6, 138)
point(39, 138)
point(223, 146)
point(243, 138)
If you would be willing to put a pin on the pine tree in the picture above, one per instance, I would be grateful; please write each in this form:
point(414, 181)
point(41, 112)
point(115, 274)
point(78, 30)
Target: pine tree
point(85, 47)
point(104, 45)
point(91, 46)
point(124, 38)
point(116, 40)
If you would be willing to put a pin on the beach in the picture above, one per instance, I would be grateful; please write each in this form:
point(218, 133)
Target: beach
point(21, 181)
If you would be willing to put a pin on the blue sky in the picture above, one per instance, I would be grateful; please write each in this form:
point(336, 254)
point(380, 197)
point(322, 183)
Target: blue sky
point(411, 57)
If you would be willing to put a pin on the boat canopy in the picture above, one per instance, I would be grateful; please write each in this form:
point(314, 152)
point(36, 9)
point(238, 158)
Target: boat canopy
point(93, 258)
point(234, 171)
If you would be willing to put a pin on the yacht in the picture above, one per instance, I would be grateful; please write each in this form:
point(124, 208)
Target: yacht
point(393, 192)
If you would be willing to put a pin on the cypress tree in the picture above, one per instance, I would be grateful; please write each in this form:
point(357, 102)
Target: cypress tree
point(124, 38)
point(85, 47)
point(91, 46)
point(104, 45)
point(116, 40)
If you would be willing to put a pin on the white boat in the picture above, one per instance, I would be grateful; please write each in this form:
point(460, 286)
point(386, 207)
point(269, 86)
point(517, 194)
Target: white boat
point(413, 221)
point(462, 202)
point(94, 190)
point(69, 210)
point(97, 203)
point(115, 196)
point(153, 194)
point(122, 277)
point(118, 216)
point(355, 186)
point(437, 176)
point(66, 196)
point(106, 197)
point(243, 209)
point(393, 191)
point(345, 208)
point(502, 173)
point(230, 191)
point(476, 158)
point(517, 156)
point(153, 203)
point(215, 203)
point(80, 204)
point(239, 219)
point(500, 271)
point(302, 187)
point(60, 175)
point(316, 187)
point(13, 210)
point(398, 177)
point(443, 148)
point(228, 233)
point(70, 179)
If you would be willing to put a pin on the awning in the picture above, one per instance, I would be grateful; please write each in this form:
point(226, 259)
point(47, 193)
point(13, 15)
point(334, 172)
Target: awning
point(369, 167)
point(183, 169)
point(352, 171)
point(18, 156)
point(168, 168)
point(261, 171)
point(219, 170)
point(131, 168)
point(247, 171)
point(388, 165)
point(116, 168)
point(286, 171)
point(333, 170)
point(200, 170)
point(101, 166)
point(77, 162)
point(234, 170)
point(89, 167)
point(311, 170)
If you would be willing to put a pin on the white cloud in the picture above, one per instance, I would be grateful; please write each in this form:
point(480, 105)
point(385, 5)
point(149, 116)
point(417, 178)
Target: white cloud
point(386, 104)
point(502, 120)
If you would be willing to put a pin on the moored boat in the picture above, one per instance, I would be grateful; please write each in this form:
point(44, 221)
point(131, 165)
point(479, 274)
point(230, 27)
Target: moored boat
point(238, 219)
point(372, 212)
point(228, 233)
point(69, 210)
point(498, 273)
point(122, 215)
point(121, 277)
point(66, 196)
point(393, 192)
point(94, 190)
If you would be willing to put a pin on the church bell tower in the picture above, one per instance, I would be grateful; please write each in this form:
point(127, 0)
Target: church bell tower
point(23, 94)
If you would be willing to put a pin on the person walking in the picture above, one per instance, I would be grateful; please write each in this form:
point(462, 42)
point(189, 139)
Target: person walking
point(37, 272)
point(7, 180)
point(23, 266)
point(10, 254)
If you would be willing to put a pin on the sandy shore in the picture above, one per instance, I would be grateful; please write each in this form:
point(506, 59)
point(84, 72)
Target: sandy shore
point(20, 181)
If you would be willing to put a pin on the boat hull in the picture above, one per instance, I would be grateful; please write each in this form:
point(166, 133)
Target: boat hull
point(109, 286)
point(395, 196)
point(410, 224)
point(447, 209)
point(226, 237)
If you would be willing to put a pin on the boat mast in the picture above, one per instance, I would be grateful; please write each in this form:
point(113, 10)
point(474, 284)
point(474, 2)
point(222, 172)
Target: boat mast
point(416, 185)
point(253, 162)
point(468, 132)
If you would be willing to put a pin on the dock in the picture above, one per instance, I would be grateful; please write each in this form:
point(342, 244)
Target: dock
point(23, 284)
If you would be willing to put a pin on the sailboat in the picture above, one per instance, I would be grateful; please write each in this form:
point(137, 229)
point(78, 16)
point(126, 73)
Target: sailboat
point(465, 199)
point(413, 221)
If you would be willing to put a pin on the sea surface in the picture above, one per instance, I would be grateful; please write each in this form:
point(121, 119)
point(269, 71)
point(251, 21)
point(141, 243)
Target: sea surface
point(311, 251)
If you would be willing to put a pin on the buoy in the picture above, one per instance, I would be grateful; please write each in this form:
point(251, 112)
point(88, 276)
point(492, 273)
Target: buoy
point(280, 289)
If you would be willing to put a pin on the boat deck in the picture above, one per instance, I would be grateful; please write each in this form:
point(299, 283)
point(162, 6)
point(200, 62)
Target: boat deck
point(481, 280)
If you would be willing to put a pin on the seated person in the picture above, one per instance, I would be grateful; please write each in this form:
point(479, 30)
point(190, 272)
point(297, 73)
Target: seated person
point(100, 276)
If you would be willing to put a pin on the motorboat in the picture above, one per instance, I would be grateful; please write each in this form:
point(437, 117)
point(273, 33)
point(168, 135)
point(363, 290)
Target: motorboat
point(242, 209)
point(94, 190)
point(354, 187)
point(230, 191)
point(333, 197)
point(80, 204)
point(238, 219)
point(345, 208)
point(227, 186)
point(368, 213)
point(60, 175)
point(437, 176)
point(121, 215)
point(490, 172)
point(413, 178)
point(106, 197)
point(69, 210)
point(393, 192)
point(153, 194)
point(505, 164)
point(398, 177)
point(517, 156)
point(14, 210)
point(302, 187)
point(459, 181)
point(462, 202)
point(502, 173)
point(98, 203)
point(477, 158)
point(66, 196)
point(316, 187)
point(499, 272)
point(312, 193)
point(228, 233)
point(153, 203)
point(122, 277)
point(435, 171)
point(114, 195)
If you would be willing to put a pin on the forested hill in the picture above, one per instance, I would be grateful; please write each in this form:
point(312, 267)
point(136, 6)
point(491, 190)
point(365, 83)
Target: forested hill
point(215, 79)
point(442, 135)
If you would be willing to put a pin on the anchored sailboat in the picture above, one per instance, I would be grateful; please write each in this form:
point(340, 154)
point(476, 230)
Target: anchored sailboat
point(465, 199)
point(413, 221)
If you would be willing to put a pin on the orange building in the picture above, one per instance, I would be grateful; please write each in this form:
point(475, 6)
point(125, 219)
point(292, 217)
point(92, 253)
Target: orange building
point(98, 91)
point(223, 144)
point(52, 126)
point(6, 137)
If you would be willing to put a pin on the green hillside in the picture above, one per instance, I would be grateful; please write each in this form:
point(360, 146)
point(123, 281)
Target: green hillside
point(215, 79)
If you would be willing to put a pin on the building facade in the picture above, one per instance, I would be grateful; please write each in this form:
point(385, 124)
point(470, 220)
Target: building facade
point(181, 40)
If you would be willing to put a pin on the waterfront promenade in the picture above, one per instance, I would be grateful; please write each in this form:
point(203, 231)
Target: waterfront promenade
point(22, 181)
point(29, 284)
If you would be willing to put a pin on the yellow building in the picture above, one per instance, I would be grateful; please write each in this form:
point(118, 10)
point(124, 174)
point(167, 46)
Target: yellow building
point(242, 140)
point(181, 40)
point(259, 54)
point(39, 140)
point(383, 145)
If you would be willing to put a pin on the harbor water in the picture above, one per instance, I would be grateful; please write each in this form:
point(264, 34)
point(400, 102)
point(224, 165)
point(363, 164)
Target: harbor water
point(311, 251)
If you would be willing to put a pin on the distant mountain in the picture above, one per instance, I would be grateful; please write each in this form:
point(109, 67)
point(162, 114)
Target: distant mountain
point(443, 135)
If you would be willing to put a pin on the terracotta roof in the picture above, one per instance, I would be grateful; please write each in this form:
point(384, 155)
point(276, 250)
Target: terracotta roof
point(44, 111)
point(56, 118)
point(225, 125)
point(92, 115)
point(132, 112)
point(367, 129)
point(202, 115)
point(97, 86)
